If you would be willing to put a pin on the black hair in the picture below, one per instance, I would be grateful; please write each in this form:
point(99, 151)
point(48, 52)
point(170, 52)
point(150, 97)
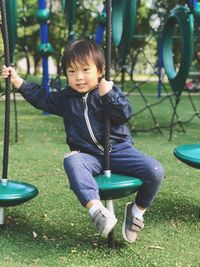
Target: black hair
point(80, 51)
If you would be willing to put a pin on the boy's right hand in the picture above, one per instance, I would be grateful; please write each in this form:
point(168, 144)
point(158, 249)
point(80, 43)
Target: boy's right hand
point(105, 86)
point(14, 78)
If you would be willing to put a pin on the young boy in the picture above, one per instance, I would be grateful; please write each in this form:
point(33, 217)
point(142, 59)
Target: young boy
point(82, 105)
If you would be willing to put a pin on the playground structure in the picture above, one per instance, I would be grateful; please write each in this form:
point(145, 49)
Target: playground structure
point(131, 57)
point(180, 15)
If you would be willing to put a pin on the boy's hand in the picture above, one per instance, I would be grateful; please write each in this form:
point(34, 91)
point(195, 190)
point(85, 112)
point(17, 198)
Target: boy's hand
point(105, 86)
point(14, 78)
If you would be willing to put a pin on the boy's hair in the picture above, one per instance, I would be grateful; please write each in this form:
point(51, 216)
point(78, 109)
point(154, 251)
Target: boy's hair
point(81, 51)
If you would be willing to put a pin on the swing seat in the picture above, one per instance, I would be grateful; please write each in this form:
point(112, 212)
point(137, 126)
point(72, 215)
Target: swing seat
point(189, 154)
point(117, 186)
point(14, 193)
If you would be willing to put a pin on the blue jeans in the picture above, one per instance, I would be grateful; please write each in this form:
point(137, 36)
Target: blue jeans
point(81, 169)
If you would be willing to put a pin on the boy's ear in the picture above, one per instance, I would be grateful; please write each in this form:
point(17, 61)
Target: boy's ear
point(101, 74)
point(103, 71)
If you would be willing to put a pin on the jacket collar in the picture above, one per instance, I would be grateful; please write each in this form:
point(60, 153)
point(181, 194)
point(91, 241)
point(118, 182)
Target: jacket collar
point(70, 92)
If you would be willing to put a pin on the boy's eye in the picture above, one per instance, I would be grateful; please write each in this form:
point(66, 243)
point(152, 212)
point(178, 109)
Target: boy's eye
point(86, 69)
point(70, 71)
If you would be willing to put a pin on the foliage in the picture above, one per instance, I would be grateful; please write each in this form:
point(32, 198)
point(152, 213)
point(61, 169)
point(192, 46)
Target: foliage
point(85, 24)
point(27, 31)
point(151, 16)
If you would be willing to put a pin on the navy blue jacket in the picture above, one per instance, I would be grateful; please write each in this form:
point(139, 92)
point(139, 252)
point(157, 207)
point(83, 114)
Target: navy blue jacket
point(83, 115)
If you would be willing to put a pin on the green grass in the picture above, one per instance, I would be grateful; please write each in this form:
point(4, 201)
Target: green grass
point(148, 87)
point(65, 235)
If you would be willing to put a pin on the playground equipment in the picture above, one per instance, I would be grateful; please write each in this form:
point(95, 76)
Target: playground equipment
point(123, 25)
point(69, 9)
point(137, 47)
point(189, 154)
point(112, 186)
point(45, 48)
point(184, 18)
point(11, 11)
point(164, 37)
point(181, 16)
point(11, 192)
point(101, 27)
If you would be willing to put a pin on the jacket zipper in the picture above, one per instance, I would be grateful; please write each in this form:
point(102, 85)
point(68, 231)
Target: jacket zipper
point(89, 124)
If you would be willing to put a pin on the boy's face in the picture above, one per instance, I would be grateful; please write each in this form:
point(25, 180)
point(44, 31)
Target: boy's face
point(83, 77)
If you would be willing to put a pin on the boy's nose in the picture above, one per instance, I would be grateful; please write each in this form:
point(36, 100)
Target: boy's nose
point(79, 75)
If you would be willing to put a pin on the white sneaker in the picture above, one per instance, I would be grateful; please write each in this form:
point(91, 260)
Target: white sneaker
point(104, 220)
point(131, 225)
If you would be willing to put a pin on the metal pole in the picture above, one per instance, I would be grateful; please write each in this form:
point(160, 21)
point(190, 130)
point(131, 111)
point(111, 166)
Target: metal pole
point(2, 216)
point(44, 40)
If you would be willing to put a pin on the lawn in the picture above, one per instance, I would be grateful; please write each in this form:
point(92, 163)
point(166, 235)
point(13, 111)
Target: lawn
point(54, 230)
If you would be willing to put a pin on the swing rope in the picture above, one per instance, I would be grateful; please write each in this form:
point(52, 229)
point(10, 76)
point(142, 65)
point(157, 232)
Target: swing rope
point(4, 29)
point(107, 76)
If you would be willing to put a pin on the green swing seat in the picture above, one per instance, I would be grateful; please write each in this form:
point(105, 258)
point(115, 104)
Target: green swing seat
point(14, 193)
point(117, 186)
point(189, 154)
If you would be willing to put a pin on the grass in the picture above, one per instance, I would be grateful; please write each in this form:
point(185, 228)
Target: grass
point(54, 230)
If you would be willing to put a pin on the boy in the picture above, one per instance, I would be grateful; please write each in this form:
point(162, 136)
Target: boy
point(82, 105)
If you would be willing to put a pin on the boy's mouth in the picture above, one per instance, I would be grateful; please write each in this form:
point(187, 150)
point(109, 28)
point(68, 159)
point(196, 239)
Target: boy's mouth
point(81, 85)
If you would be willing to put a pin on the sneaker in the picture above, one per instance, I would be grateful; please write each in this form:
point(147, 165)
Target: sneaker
point(104, 221)
point(131, 225)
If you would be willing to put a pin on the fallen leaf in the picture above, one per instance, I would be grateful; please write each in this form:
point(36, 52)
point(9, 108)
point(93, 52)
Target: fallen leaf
point(34, 234)
point(156, 247)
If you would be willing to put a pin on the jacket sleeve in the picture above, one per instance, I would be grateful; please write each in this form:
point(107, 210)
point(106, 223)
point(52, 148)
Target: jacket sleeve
point(116, 105)
point(37, 97)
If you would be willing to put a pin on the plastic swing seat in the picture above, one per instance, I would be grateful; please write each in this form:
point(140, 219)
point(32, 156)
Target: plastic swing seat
point(117, 186)
point(189, 154)
point(14, 193)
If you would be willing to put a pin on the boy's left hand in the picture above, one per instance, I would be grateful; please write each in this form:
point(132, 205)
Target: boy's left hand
point(105, 86)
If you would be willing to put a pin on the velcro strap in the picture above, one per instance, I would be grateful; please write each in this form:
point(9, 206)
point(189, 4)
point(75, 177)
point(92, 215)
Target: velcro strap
point(136, 225)
point(98, 214)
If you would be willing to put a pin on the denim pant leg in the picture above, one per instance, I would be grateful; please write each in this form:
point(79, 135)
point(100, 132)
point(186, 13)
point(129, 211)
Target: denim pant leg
point(80, 169)
point(129, 161)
